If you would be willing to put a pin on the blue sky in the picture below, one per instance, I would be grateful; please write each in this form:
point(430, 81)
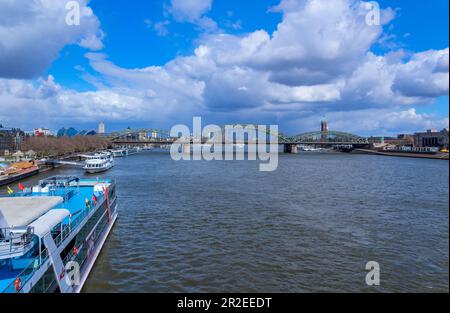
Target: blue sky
point(158, 63)
point(132, 42)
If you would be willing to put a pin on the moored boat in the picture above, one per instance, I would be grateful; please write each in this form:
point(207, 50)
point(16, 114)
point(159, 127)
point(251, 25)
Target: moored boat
point(17, 171)
point(119, 153)
point(133, 150)
point(51, 234)
point(99, 162)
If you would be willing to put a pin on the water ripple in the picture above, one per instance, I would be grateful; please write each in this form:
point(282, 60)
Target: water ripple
point(311, 226)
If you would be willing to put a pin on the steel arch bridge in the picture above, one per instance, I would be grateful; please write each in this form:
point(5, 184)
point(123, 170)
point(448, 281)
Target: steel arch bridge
point(330, 137)
point(311, 138)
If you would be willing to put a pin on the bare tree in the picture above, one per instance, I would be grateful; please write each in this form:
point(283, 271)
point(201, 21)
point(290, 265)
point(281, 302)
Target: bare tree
point(53, 146)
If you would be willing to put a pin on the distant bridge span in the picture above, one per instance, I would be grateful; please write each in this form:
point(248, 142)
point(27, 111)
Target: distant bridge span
point(316, 138)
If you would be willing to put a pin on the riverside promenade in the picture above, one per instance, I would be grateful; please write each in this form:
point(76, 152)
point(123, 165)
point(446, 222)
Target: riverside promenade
point(437, 156)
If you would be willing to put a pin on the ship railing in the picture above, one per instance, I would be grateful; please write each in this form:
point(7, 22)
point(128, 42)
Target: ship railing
point(35, 265)
point(15, 241)
point(17, 284)
point(85, 249)
point(27, 273)
point(74, 223)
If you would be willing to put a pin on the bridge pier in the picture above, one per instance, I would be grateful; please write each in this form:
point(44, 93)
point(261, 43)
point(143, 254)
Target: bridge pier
point(290, 148)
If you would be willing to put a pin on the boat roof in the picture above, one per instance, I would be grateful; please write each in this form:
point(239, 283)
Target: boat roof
point(96, 155)
point(21, 211)
point(58, 180)
point(44, 225)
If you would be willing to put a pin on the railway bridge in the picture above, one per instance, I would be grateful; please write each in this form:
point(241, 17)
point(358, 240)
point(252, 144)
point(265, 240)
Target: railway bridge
point(323, 139)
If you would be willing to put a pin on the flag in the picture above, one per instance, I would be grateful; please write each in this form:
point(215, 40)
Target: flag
point(10, 191)
point(21, 187)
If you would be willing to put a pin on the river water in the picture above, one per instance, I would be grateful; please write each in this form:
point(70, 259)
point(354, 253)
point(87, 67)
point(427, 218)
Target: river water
point(310, 226)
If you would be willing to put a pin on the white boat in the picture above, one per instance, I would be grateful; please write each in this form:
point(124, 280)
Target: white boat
point(132, 151)
point(309, 149)
point(123, 152)
point(119, 153)
point(97, 163)
point(53, 227)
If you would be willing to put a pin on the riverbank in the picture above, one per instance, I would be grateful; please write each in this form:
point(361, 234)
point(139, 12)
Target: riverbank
point(39, 167)
point(60, 146)
point(437, 156)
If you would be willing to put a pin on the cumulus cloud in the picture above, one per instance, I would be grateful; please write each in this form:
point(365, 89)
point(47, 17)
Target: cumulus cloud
point(425, 75)
point(367, 122)
point(319, 39)
point(193, 11)
point(33, 32)
point(190, 10)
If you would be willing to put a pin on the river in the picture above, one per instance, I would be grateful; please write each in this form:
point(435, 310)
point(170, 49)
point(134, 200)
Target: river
point(310, 226)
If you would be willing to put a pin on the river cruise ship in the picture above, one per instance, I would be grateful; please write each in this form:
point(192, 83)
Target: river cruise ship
point(123, 152)
point(99, 162)
point(119, 153)
point(52, 234)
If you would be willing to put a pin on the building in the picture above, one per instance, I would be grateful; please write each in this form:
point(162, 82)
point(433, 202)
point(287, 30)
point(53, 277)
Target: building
point(42, 132)
point(324, 129)
point(432, 138)
point(87, 133)
point(29, 133)
point(69, 132)
point(324, 126)
point(143, 135)
point(401, 140)
point(101, 128)
point(10, 139)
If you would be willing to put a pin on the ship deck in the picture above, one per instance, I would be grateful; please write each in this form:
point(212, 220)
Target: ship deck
point(76, 205)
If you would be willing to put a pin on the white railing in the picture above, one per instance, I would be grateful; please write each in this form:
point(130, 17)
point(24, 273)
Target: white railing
point(13, 243)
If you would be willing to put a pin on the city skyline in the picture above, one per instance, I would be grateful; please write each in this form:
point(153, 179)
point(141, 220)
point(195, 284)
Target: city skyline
point(272, 62)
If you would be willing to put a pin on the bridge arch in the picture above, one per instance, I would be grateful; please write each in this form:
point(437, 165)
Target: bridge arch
point(328, 136)
point(318, 137)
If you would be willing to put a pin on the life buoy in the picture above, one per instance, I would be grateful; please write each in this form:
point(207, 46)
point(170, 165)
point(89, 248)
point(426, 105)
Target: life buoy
point(18, 284)
point(75, 250)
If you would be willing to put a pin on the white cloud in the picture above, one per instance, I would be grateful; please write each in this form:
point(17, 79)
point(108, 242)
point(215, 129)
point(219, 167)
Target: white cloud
point(367, 122)
point(33, 32)
point(319, 39)
point(193, 11)
point(161, 28)
point(425, 75)
point(190, 10)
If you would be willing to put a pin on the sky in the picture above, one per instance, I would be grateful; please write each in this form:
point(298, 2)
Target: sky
point(292, 63)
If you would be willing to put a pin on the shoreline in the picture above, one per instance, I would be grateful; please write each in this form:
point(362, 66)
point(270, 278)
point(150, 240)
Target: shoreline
point(438, 156)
